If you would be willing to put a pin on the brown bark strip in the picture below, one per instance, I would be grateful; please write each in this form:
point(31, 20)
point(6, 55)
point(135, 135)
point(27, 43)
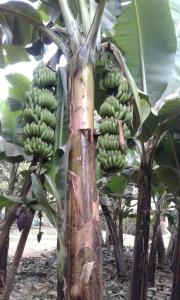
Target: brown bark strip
point(121, 136)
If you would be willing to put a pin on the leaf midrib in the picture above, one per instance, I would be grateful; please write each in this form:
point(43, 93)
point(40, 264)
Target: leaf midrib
point(143, 71)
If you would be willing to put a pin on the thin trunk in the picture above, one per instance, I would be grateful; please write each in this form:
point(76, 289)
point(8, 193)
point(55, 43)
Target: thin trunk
point(17, 257)
point(118, 250)
point(121, 228)
point(170, 249)
point(161, 249)
point(5, 248)
point(175, 295)
point(84, 279)
point(7, 224)
point(12, 211)
point(60, 278)
point(138, 284)
point(3, 263)
point(153, 251)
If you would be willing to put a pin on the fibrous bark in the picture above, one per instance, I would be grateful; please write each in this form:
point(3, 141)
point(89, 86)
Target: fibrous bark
point(153, 251)
point(138, 284)
point(83, 231)
point(5, 247)
point(161, 249)
point(118, 249)
point(17, 257)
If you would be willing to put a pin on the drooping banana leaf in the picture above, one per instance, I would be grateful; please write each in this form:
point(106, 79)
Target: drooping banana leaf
point(145, 33)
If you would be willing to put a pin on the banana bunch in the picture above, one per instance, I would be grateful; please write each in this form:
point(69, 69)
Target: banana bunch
point(109, 142)
point(39, 130)
point(125, 113)
point(36, 114)
point(109, 125)
point(39, 114)
point(124, 93)
point(117, 114)
point(111, 160)
point(111, 80)
point(43, 76)
point(36, 146)
point(42, 97)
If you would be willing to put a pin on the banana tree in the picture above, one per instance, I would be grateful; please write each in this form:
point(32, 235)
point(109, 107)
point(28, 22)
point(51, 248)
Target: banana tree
point(154, 127)
point(77, 40)
point(74, 26)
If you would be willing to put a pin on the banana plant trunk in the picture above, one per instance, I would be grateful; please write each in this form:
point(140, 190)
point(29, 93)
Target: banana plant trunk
point(161, 249)
point(153, 251)
point(84, 277)
point(138, 283)
point(5, 248)
point(3, 263)
point(117, 244)
point(175, 295)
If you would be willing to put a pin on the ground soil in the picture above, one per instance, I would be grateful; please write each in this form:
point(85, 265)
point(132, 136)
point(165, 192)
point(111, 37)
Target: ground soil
point(36, 277)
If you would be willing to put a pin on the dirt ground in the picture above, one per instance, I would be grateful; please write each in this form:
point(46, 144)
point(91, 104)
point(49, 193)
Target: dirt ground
point(36, 277)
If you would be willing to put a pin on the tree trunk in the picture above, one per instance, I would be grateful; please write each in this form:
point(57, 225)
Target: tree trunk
point(5, 247)
point(175, 295)
point(118, 250)
point(161, 249)
point(3, 263)
point(138, 284)
point(7, 224)
point(84, 278)
point(121, 228)
point(170, 249)
point(153, 251)
point(17, 257)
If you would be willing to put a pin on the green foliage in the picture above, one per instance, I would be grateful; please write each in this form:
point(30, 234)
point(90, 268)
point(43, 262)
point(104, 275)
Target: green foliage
point(16, 32)
point(149, 48)
point(170, 178)
point(117, 184)
point(12, 152)
point(40, 196)
point(11, 109)
point(174, 81)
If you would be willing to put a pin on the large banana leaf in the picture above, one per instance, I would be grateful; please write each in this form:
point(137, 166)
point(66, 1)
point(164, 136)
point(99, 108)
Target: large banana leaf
point(11, 109)
point(145, 32)
point(16, 19)
point(174, 82)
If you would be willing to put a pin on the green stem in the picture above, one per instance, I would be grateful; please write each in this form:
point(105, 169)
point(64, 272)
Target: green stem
point(84, 16)
point(70, 22)
point(90, 41)
point(174, 152)
point(143, 71)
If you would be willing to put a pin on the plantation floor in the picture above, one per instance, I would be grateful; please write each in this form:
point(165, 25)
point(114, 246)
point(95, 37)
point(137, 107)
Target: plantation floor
point(36, 278)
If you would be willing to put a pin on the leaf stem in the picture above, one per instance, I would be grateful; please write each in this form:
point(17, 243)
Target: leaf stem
point(174, 152)
point(143, 71)
point(84, 16)
point(70, 22)
point(90, 41)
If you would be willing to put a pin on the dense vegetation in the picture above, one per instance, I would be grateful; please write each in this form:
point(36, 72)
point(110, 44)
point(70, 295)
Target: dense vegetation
point(122, 75)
